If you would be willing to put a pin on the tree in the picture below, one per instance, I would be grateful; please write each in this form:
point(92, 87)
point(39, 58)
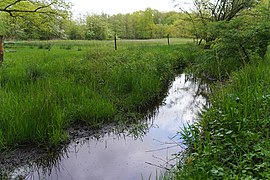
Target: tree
point(74, 29)
point(239, 41)
point(18, 8)
point(97, 27)
point(206, 12)
point(33, 19)
point(117, 23)
point(34, 26)
point(49, 7)
point(143, 24)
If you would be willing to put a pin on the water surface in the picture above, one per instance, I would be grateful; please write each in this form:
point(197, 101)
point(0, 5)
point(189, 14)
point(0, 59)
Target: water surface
point(145, 151)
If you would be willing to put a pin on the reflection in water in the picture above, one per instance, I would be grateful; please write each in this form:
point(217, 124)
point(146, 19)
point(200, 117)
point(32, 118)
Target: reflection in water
point(122, 155)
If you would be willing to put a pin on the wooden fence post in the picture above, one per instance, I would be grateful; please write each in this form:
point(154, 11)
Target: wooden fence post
point(115, 43)
point(1, 49)
point(168, 37)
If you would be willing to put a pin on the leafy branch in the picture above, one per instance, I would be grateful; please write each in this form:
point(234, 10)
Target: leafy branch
point(48, 7)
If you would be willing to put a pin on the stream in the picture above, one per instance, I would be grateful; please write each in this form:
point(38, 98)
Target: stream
point(141, 152)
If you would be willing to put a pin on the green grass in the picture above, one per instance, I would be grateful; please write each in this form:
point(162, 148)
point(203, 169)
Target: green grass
point(46, 86)
point(231, 141)
point(213, 64)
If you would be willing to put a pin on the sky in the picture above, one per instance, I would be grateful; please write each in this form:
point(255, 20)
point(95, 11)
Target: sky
point(119, 6)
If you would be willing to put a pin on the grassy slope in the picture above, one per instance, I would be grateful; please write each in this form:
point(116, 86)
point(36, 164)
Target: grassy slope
point(45, 86)
point(232, 139)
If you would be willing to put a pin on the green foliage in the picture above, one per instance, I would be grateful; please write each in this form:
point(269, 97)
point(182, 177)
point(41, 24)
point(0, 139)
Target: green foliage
point(96, 27)
point(16, 8)
point(74, 29)
point(232, 139)
point(33, 19)
point(206, 12)
point(237, 42)
point(146, 24)
point(149, 24)
point(33, 26)
point(3, 25)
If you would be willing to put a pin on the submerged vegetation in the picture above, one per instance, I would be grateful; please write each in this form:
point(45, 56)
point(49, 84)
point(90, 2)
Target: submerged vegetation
point(46, 86)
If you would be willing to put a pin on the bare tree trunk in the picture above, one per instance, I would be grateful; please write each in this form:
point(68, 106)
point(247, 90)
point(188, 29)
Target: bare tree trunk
point(1, 49)
point(115, 42)
point(168, 39)
point(245, 53)
point(200, 42)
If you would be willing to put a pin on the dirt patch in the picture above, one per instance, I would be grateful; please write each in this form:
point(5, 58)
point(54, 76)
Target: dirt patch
point(29, 155)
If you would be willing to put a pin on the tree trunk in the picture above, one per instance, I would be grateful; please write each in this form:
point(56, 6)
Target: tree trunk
point(1, 49)
point(115, 42)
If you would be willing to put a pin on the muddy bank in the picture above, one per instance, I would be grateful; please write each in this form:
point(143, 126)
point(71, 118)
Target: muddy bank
point(28, 154)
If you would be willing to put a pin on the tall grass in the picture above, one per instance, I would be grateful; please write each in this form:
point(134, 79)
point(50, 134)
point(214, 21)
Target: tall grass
point(232, 139)
point(46, 86)
point(208, 63)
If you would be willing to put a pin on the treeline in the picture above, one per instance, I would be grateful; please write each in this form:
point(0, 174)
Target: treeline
point(145, 24)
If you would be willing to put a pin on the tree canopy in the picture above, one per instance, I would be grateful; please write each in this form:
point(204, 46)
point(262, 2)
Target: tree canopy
point(146, 24)
point(16, 7)
point(206, 12)
point(233, 32)
point(32, 19)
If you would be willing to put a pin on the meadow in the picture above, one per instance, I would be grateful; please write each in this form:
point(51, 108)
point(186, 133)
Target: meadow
point(46, 86)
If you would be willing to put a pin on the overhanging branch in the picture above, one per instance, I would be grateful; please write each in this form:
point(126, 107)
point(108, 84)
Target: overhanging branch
point(41, 8)
point(12, 4)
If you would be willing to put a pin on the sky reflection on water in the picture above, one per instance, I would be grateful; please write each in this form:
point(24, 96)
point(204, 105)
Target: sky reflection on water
point(121, 156)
